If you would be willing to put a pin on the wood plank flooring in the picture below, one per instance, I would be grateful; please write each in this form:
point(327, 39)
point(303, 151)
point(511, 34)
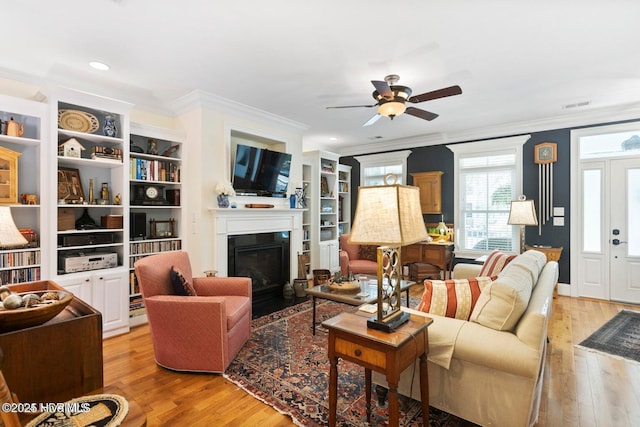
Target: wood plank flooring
point(581, 388)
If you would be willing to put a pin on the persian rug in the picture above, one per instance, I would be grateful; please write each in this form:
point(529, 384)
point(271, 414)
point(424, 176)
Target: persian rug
point(287, 367)
point(619, 337)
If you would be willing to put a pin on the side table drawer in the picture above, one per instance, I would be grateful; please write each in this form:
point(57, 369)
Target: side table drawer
point(360, 353)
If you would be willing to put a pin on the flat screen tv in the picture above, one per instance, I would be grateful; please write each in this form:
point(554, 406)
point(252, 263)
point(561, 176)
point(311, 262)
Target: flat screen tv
point(261, 172)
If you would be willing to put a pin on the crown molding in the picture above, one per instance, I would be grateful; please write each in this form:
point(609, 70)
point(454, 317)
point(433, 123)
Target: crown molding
point(594, 117)
point(199, 99)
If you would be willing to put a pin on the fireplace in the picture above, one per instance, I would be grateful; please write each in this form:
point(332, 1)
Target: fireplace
point(263, 257)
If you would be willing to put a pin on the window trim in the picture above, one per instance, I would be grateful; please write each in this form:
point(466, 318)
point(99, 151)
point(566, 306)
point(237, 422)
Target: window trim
point(470, 149)
point(384, 159)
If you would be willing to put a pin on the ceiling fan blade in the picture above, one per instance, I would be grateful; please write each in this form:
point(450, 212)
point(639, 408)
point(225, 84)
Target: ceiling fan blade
point(440, 93)
point(353, 106)
point(383, 88)
point(416, 112)
point(372, 120)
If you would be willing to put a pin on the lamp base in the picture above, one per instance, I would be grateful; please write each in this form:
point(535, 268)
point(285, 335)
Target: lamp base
point(388, 325)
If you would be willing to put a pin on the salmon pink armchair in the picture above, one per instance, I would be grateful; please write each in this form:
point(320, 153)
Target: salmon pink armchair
point(198, 333)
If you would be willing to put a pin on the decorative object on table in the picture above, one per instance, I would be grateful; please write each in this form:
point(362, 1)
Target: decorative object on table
point(29, 199)
point(111, 221)
point(210, 273)
point(85, 222)
point(104, 193)
point(9, 175)
point(148, 194)
point(545, 155)
point(14, 128)
point(117, 199)
point(70, 148)
point(106, 153)
point(442, 230)
point(169, 151)
point(104, 410)
point(287, 290)
point(78, 121)
point(92, 199)
point(388, 215)
point(109, 128)
point(292, 201)
point(522, 213)
point(301, 200)
point(133, 148)
point(152, 146)
point(345, 287)
point(70, 186)
point(10, 236)
point(224, 190)
point(162, 229)
point(27, 309)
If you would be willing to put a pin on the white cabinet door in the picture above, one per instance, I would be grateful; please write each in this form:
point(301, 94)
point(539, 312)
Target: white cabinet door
point(79, 285)
point(329, 255)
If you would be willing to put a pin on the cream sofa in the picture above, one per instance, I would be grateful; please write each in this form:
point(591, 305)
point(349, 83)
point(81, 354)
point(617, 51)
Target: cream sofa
point(489, 370)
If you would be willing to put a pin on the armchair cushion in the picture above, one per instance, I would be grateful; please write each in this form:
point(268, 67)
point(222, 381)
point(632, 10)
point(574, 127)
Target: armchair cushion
point(368, 252)
point(181, 286)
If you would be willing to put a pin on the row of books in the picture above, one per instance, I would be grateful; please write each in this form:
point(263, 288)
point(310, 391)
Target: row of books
point(136, 306)
point(19, 259)
point(20, 275)
point(154, 170)
point(151, 247)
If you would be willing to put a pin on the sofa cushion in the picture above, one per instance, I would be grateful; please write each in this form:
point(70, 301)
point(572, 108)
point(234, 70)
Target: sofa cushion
point(495, 263)
point(452, 298)
point(368, 252)
point(502, 302)
point(181, 286)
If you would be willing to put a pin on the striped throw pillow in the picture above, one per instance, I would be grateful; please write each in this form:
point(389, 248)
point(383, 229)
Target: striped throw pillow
point(452, 298)
point(495, 262)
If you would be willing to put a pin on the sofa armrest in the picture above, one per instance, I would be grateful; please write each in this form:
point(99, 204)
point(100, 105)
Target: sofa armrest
point(465, 271)
point(344, 262)
point(221, 286)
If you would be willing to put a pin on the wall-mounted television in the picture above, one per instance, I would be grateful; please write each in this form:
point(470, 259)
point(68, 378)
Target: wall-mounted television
point(260, 172)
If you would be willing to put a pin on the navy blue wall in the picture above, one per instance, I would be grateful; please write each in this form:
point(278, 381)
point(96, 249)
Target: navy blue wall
point(440, 158)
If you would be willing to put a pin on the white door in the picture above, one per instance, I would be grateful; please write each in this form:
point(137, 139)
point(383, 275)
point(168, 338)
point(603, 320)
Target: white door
point(624, 231)
point(609, 260)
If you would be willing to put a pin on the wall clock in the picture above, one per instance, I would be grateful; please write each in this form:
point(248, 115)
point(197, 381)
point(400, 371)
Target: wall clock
point(545, 155)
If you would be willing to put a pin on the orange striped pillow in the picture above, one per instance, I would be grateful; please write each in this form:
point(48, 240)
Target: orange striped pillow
point(452, 298)
point(495, 262)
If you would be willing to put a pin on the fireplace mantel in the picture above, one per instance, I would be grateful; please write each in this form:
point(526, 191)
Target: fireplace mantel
point(230, 222)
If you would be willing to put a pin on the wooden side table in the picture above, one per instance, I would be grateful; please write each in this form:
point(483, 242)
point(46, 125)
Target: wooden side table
point(387, 353)
point(439, 254)
point(552, 254)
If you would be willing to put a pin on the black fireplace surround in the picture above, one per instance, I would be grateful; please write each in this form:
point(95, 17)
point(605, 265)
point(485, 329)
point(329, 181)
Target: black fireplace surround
point(264, 258)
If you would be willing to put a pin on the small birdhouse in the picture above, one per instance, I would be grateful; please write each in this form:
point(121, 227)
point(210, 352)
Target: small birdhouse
point(70, 148)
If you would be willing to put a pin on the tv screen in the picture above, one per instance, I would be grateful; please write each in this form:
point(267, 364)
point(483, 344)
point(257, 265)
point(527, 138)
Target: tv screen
point(261, 172)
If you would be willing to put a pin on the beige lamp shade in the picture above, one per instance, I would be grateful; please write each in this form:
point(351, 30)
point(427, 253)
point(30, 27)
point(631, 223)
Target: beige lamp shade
point(388, 215)
point(522, 212)
point(10, 236)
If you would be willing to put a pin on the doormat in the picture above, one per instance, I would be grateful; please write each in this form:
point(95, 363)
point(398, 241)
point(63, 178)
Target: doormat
point(286, 367)
point(619, 337)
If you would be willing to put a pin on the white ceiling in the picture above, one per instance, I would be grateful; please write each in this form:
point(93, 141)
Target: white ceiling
point(518, 62)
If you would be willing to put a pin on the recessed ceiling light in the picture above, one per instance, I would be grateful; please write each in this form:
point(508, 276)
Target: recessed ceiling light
point(99, 65)
point(333, 138)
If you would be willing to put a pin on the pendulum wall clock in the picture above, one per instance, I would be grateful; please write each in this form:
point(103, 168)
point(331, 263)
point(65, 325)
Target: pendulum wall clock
point(545, 155)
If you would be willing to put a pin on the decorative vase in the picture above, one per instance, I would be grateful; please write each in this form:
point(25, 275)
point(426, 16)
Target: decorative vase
point(292, 201)
point(223, 201)
point(300, 202)
point(110, 127)
point(287, 290)
point(300, 287)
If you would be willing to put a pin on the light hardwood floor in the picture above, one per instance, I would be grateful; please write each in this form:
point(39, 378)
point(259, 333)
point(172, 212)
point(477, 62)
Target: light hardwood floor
point(580, 388)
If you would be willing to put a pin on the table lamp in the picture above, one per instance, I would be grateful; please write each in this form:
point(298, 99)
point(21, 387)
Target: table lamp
point(388, 216)
point(10, 236)
point(522, 213)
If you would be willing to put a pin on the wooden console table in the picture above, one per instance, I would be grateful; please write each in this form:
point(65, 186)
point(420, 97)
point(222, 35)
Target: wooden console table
point(387, 353)
point(58, 360)
point(439, 254)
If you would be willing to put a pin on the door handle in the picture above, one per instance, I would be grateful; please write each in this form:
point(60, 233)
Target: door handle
point(616, 242)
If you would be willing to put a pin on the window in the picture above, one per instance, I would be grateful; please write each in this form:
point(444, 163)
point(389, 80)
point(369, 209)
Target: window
point(374, 167)
point(488, 175)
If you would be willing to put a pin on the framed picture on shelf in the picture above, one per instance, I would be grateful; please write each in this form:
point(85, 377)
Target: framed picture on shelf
point(324, 186)
point(69, 185)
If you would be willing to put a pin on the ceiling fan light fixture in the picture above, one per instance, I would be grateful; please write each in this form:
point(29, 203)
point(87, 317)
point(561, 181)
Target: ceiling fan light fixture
point(391, 108)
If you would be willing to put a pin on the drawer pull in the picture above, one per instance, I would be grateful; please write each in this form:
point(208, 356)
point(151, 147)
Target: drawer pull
point(358, 352)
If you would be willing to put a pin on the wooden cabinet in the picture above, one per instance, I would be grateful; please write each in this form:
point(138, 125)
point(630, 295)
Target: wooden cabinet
point(8, 175)
point(57, 360)
point(430, 187)
point(552, 254)
point(438, 254)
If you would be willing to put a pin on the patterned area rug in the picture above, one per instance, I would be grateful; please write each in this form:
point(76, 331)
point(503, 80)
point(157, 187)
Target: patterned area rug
point(287, 367)
point(619, 337)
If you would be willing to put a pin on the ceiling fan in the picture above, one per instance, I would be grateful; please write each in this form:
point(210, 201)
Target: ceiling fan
point(391, 99)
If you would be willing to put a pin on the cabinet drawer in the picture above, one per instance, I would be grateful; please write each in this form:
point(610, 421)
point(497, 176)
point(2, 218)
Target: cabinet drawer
point(553, 256)
point(361, 353)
